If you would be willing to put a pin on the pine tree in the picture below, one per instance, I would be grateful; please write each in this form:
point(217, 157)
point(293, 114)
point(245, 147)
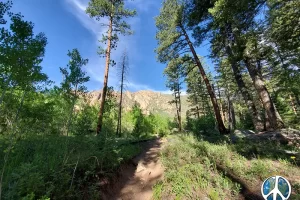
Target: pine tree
point(226, 81)
point(235, 22)
point(173, 39)
point(115, 12)
point(175, 72)
point(284, 28)
point(198, 97)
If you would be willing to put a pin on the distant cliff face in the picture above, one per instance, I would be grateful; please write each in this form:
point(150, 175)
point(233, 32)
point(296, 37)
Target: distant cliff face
point(154, 102)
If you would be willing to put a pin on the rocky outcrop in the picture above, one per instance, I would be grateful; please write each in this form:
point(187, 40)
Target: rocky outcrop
point(283, 136)
point(149, 101)
point(240, 134)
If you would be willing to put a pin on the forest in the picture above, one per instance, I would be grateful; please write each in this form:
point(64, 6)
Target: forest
point(241, 127)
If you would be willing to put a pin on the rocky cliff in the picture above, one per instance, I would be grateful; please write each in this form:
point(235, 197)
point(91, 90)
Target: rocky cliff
point(150, 101)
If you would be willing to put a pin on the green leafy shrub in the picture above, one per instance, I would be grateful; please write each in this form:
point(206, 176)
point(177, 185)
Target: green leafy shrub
point(85, 122)
point(204, 125)
point(43, 167)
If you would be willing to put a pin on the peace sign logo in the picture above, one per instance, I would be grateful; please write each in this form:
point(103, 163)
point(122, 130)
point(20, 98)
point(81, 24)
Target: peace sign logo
point(276, 188)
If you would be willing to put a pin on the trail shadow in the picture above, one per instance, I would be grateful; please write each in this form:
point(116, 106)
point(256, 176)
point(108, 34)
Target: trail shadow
point(246, 191)
point(253, 149)
point(127, 182)
point(263, 149)
point(273, 150)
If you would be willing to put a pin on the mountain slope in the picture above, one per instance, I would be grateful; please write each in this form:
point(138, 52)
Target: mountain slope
point(149, 101)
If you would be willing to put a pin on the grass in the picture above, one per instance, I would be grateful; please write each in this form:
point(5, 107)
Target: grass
point(188, 176)
point(264, 149)
point(191, 171)
point(59, 168)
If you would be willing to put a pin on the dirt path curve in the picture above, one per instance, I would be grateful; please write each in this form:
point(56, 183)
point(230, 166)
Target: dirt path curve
point(136, 179)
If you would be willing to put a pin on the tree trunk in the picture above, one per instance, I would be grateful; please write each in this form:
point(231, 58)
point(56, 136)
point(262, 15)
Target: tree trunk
point(231, 114)
point(221, 105)
point(210, 91)
point(256, 118)
point(119, 127)
point(2, 95)
point(104, 91)
point(71, 112)
point(203, 106)
point(266, 122)
point(293, 104)
point(178, 108)
point(273, 115)
point(297, 99)
point(198, 112)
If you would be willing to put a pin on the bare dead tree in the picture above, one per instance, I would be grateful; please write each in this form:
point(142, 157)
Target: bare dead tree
point(123, 68)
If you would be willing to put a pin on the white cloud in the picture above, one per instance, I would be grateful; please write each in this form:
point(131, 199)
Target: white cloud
point(95, 67)
point(183, 93)
point(131, 85)
point(95, 70)
point(77, 8)
point(80, 5)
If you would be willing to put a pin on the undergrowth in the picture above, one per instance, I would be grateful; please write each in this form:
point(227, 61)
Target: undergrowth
point(191, 172)
point(190, 176)
point(58, 167)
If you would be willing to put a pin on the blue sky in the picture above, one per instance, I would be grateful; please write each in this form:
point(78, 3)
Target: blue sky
point(67, 26)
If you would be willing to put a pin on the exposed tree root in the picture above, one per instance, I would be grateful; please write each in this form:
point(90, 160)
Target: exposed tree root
point(247, 191)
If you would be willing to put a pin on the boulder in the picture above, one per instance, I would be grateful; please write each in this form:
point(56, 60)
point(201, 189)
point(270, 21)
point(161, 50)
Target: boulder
point(240, 134)
point(283, 136)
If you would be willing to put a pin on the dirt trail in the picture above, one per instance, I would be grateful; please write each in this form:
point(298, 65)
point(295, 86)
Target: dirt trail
point(136, 178)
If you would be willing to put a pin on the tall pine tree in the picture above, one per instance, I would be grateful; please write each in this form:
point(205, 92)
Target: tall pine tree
point(173, 40)
point(114, 11)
